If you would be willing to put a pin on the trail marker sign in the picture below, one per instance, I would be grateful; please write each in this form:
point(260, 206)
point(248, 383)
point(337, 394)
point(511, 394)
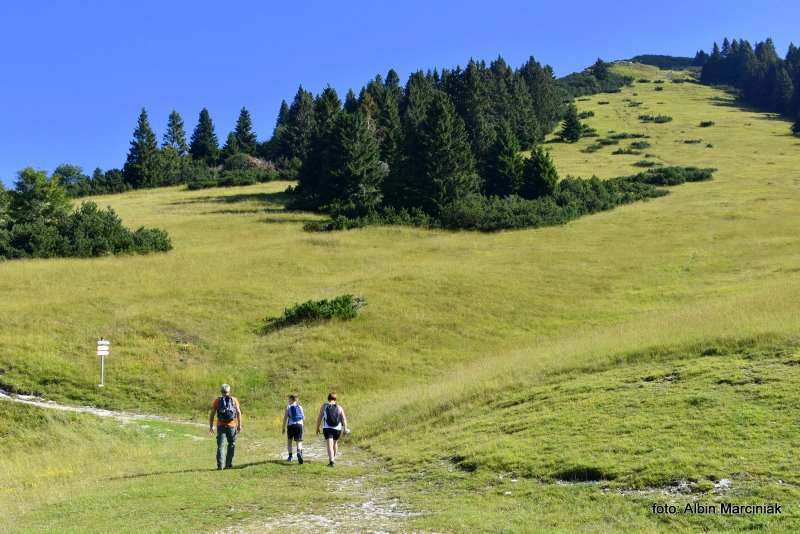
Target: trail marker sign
point(103, 350)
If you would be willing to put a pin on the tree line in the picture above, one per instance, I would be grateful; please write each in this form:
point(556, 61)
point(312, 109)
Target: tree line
point(764, 79)
point(36, 221)
point(486, 98)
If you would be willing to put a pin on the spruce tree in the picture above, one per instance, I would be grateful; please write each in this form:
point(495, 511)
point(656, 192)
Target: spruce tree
point(445, 158)
point(315, 170)
point(270, 149)
point(504, 164)
point(175, 136)
point(539, 176)
point(204, 145)
point(571, 129)
point(141, 166)
point(356, 172)
point(350, 102)
point(231, 147)
point(796, 126)
point(300, 126)
point(245, 137)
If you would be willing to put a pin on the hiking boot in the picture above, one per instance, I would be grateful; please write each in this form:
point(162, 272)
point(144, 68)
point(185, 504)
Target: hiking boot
point(300, 457)
point(289, 459)
point(331, 464)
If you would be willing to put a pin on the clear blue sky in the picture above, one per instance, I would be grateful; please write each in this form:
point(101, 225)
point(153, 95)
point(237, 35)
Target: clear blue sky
point(74, 74)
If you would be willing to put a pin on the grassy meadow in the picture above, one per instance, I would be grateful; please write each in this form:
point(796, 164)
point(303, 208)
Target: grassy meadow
point(562, 378)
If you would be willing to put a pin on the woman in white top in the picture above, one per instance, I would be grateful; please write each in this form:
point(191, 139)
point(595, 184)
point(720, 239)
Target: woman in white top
point(334, 422)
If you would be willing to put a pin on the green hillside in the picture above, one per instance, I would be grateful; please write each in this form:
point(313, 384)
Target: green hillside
point(562, 378)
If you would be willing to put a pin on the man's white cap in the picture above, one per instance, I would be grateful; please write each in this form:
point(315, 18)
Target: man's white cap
point(225, 389)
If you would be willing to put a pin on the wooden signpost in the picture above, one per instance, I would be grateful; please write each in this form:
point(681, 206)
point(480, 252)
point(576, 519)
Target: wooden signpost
point(103, 350)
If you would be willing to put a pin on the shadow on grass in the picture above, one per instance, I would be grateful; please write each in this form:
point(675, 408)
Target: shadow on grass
point(200, 470)
point(279, 197)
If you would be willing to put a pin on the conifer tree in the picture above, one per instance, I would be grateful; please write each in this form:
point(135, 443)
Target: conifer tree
point(796, 126)
point(315, 170)
point(300, 126)
point(446, 162)
point(350, 102)
point(571, 129)
point(204, 145)
point(231, 147)
point(356, 171)
point(245, 137)
point(504, 166)
point(141, 166)
point(539, 176)
point(5, 218)
point(270, 149)
point(175, 136)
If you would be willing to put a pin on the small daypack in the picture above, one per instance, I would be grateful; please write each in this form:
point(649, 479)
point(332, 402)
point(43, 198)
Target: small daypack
point(295, 414)
point(225, 409)
point(332, 415)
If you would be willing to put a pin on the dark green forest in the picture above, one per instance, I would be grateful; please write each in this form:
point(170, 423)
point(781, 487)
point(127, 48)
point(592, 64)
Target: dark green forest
point(761, 76)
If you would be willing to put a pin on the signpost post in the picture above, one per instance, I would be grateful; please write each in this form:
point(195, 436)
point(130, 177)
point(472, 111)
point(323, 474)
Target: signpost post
point(103, 350)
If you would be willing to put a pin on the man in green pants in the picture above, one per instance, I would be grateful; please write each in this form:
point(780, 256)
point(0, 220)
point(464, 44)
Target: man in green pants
point(229, 423)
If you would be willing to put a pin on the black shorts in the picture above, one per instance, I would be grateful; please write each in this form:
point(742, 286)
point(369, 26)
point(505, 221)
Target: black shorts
point(331, 433)
point(294, 432)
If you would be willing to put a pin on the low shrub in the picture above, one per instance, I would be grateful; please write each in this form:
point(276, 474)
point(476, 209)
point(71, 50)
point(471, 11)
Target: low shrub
point(634, 104)
point(643, 80)
point(585, 114)
point(343, 307)
point(659, 81)
point(603, 103)
point(608, 141)
point(645, 163)
point(588, 131)
point(706, 124)
point(692, 141)
point(640, 145)
point(658, 119)
point(669, 176)
point(626, 135)
point(87, 232)
point(659, 88)
point(626, 151)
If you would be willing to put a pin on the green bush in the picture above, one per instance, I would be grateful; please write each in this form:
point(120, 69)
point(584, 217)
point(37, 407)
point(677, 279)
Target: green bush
point(646, 163)
point(343, 307)
point(626, 151)
point(585, 114)
point(625, 135)
point(669, 176)
point(658, 119)
point(706, 124)
point(640, 145)
point(659, 88)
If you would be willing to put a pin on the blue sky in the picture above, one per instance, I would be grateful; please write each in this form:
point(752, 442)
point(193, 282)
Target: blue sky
point(74, 74)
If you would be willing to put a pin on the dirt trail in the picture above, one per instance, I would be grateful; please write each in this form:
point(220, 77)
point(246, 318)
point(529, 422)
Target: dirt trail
point(125, 417)
point(372, 508)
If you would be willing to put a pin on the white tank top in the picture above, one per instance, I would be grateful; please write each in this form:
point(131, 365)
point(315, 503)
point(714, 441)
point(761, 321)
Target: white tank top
point(325, 417)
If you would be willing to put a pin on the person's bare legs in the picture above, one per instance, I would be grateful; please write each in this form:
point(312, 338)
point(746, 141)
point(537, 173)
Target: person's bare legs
point(331, 444)
point(289, 446)
point(299, 447)
point(335, 448)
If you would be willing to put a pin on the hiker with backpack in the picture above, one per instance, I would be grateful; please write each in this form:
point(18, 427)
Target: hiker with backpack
point(229, 423)
point(334, 423)
point(293, 427)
